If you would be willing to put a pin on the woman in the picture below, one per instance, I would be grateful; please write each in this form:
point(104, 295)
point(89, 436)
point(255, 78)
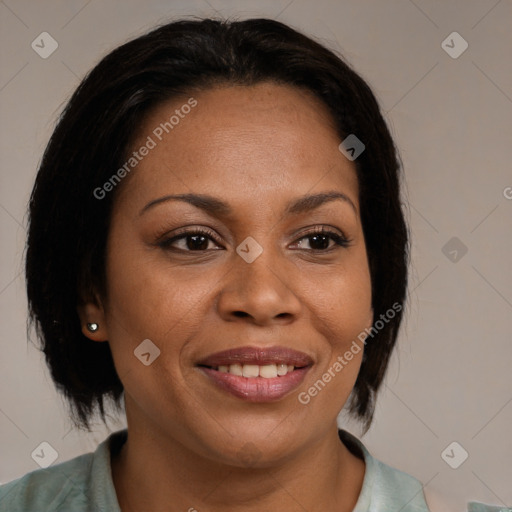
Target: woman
point(216, 237)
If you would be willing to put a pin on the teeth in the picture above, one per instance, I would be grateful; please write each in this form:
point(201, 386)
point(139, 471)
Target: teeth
point(236, 369)
point(282, 369)
point(250, 370)
point(267, 371)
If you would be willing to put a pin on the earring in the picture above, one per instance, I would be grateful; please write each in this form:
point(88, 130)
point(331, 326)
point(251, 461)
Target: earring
point(93, 327)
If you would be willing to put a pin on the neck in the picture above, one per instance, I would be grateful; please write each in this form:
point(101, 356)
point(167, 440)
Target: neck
point(154, 472)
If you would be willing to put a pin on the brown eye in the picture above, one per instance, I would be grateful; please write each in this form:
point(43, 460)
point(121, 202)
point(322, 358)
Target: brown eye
point(194, 241)
point(320, 239)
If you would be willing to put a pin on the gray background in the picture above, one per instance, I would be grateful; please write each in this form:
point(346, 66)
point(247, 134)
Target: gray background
point(450, 378)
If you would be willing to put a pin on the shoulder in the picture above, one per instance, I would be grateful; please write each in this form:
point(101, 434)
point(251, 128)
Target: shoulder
point(48, 489)
point(80, 484)
point(384, 487)
point(394, 488)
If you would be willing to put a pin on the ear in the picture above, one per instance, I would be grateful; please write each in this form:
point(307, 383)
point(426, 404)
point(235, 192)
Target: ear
point(91, 313)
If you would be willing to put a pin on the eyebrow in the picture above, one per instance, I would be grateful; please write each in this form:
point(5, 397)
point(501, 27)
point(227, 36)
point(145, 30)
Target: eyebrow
point(219, 208)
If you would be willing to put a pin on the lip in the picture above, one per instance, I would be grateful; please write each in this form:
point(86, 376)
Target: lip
point(257, 389)
point(259, 356)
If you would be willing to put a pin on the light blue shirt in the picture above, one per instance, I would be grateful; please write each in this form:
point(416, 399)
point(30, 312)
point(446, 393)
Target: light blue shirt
point(84, 484)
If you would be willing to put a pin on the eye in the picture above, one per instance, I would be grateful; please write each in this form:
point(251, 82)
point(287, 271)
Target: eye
point(191, 241)
point(320, 238)
point(197, 240)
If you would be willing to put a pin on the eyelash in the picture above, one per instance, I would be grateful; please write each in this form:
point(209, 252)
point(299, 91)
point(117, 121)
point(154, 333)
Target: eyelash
point(339, 240)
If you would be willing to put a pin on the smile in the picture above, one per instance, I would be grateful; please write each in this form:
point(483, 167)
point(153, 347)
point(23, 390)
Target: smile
point(257, 374)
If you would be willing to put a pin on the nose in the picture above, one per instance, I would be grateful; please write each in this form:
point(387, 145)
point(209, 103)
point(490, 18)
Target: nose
point(261, 292)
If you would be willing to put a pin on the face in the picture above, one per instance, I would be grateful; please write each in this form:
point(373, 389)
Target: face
point(266, 284)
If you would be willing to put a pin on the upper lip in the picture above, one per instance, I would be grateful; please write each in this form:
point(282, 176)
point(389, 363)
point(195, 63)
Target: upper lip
point(257, 355)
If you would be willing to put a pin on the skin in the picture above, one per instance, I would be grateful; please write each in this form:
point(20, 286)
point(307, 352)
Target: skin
point(191, 445)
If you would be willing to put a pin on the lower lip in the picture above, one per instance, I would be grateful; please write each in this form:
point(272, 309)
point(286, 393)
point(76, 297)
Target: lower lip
point(257, 389)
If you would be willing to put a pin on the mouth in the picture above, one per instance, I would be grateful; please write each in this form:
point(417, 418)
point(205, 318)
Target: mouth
point(255, 374)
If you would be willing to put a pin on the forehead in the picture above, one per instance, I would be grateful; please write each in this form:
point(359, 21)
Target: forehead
point(237, 142)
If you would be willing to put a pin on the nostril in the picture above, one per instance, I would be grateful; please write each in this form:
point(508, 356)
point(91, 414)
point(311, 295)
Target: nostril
point(241, 314)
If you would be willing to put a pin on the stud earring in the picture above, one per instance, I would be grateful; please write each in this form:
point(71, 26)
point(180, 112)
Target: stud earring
point(93, 327)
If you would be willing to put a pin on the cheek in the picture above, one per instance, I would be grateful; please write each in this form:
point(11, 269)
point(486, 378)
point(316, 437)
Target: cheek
point(342, 327)
point(152, 299)
point(144, 294)
point(149, 313)
point(342, 308)
point(137, 300)
point(341, 311)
